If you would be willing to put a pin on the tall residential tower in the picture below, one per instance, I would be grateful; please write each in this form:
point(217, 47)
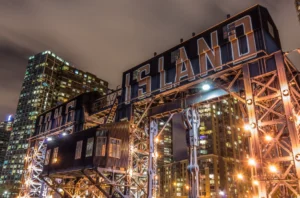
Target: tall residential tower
point(49, 80)
point(223, 146)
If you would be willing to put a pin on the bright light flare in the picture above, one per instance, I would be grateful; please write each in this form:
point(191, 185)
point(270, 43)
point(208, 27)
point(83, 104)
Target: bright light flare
point(252, 162)
point(222, 193)
point(240, 176)
point(206, 87)
point(156, 140)
point(268, 138)
point(298, 119)
point(255, 182)
point(272, 168)
point(247, 127)
point(49, 139)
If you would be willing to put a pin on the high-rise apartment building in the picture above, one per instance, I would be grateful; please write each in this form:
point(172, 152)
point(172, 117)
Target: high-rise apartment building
point(164, 143)
point(223, 149)
point(5, 130)
point(49, 80)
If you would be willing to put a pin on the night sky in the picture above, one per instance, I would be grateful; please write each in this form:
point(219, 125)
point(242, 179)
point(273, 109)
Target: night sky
point(109, 37)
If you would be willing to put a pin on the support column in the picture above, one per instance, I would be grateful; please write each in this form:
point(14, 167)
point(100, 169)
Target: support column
point(291, 122)
point(192, 122)
point(254, 136)
point(152, 159)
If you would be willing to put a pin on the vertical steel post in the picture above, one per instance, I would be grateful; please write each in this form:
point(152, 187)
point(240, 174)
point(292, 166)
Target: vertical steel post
point(192, 122)
point(294, 134)
point(252, 122)
point(153, 131)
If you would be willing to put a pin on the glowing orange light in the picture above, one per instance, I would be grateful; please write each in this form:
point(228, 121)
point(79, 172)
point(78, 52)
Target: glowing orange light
point(252, 162)
point(255, 182)
point(240, 176)
point(268, 138)
point(273, 168)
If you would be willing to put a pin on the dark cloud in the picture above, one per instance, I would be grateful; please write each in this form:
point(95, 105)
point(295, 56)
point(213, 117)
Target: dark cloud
point(108, 37)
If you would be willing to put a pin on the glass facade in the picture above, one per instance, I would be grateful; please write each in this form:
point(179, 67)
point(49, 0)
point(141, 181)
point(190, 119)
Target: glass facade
point(223, 149)
point(49, 80)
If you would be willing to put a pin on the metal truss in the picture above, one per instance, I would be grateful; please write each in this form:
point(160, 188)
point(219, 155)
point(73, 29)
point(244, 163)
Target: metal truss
point(32, 185)
point(98, 182)
point(273, 134)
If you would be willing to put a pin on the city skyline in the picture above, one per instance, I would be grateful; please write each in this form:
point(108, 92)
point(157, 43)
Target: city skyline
point(100, 36)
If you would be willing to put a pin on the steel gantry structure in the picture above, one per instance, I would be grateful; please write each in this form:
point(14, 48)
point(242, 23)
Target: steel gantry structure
point(270, 102)
point(271, 106)
point(251, 68)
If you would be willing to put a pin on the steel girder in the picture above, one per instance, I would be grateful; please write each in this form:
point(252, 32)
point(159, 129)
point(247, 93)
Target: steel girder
point(273, 133)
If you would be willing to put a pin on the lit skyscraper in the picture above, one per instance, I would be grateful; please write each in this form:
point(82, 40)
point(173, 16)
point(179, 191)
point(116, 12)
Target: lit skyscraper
point(5, 130)
point(49, 80)
point(223, 148)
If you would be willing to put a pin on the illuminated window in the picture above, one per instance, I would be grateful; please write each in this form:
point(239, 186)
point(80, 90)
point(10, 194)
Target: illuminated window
point(78, 150)
point(47, 159)
point(65, 68)
point(89, 147)
point(101, 146)
point(55, 154)
point(114, 148)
